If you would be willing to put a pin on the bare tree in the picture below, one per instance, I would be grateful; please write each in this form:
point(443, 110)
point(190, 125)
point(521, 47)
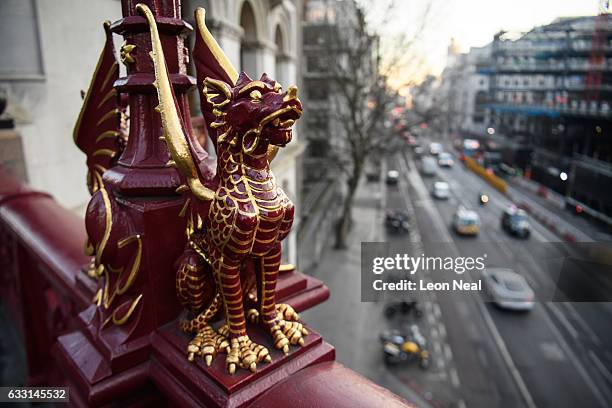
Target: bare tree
point(359, 68)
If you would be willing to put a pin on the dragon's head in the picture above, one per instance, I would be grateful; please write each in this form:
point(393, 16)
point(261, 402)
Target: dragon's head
point(253, 113)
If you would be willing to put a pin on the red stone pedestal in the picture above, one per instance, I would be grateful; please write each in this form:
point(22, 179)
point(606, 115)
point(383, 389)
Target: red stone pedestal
point(194, 384)
point(167, 376)
point(153, 369)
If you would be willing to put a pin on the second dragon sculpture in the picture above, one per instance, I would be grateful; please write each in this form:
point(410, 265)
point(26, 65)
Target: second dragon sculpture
point(237, 214)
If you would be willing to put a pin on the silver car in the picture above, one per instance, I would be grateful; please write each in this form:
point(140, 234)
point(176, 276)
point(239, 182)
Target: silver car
point(441, 190)
point(508, 289)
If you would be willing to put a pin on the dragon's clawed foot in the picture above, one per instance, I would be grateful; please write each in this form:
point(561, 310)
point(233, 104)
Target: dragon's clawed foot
point(285, 333)
point(287, 312)
point(207, 343)
point(244, 353)
point(285, 328)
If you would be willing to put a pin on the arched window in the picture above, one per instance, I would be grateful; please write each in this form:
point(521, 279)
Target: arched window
point(281, 60)
point(248, 49)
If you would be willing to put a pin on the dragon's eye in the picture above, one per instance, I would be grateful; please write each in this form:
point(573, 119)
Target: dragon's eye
point(255, 95)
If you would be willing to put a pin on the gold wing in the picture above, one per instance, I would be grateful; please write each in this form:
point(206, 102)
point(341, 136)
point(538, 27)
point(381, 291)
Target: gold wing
point(98, 130)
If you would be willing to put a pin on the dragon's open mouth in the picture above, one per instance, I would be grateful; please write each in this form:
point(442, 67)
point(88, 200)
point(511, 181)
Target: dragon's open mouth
point(278, 124)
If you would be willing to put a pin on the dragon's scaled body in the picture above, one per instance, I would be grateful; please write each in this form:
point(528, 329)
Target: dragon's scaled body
point(237, 214)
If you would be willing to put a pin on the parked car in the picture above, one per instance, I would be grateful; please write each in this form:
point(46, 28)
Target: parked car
point(392, 177)
point(397, 221)
point(429, 166)
point(435, 148)
point(441, 190)
point(445, 160)
point(514, 220)
point(466, 222)
point(508, 289)
point(403, 308)
point(372, 175)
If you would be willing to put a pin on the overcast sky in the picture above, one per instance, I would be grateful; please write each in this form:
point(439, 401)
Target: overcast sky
point(472, 23)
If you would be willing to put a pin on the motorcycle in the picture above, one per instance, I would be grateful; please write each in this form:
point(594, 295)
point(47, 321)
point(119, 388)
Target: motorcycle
point(483, 199)
point(407, 347)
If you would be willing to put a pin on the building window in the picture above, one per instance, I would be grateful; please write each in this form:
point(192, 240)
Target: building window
point(248, 47)
point(317, 90)
point(20, 26)
point(316, 63)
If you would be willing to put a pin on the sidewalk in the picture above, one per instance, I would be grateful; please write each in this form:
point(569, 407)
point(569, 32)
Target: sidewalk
point(343, 320)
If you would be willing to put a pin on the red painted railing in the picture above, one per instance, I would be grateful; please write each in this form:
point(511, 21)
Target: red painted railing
point(44, 289)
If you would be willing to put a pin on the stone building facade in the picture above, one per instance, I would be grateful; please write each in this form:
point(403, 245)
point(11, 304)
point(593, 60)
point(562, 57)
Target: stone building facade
point(50, 49)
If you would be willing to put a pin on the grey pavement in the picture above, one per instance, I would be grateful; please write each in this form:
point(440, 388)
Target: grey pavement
point(352, 326)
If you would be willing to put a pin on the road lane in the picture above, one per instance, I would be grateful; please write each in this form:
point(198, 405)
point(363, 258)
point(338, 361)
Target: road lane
point(482, 373)
point(540, 350)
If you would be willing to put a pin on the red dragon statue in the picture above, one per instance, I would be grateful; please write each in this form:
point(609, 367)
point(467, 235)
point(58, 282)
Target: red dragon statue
point(237, 213)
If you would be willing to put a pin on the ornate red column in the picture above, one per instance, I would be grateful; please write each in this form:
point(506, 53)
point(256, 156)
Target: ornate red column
point(128, 347)
point(141, 169)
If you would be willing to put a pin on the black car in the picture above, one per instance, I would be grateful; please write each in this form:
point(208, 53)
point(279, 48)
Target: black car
point(392, 177)
point(397, 221)
point(514, 220)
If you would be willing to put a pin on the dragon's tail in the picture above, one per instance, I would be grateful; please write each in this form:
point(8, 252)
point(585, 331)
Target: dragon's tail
point(198, 323)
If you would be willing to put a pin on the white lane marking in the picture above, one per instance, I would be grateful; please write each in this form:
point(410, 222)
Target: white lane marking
point(447, 352)
point(431, 320)
point(568, 326)
point(436, 220)
point(600, 366)
point(551, 351)
point(442, 330)
point(576, 316)
point(434, 333)
point(437, 348)
point(501, 345)
point(436, 311)
point(577, 364)
point(461, 404)
point(454, 378)
point(441, 364)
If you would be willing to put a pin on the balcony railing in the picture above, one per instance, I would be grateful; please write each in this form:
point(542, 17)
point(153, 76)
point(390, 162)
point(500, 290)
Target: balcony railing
point(574, 108)
point(47, 294)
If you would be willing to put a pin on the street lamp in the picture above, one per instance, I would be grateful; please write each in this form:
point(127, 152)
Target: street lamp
point(491, 131)
point(563, 176)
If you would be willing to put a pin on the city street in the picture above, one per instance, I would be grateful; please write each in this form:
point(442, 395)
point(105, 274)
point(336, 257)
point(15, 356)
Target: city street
point(558, 354)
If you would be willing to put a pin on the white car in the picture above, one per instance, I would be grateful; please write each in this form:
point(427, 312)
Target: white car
point(429, 166)
point(508, 289)
point(441, 190)
point(466, 222)
point(435, 149)
point(445, 160)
